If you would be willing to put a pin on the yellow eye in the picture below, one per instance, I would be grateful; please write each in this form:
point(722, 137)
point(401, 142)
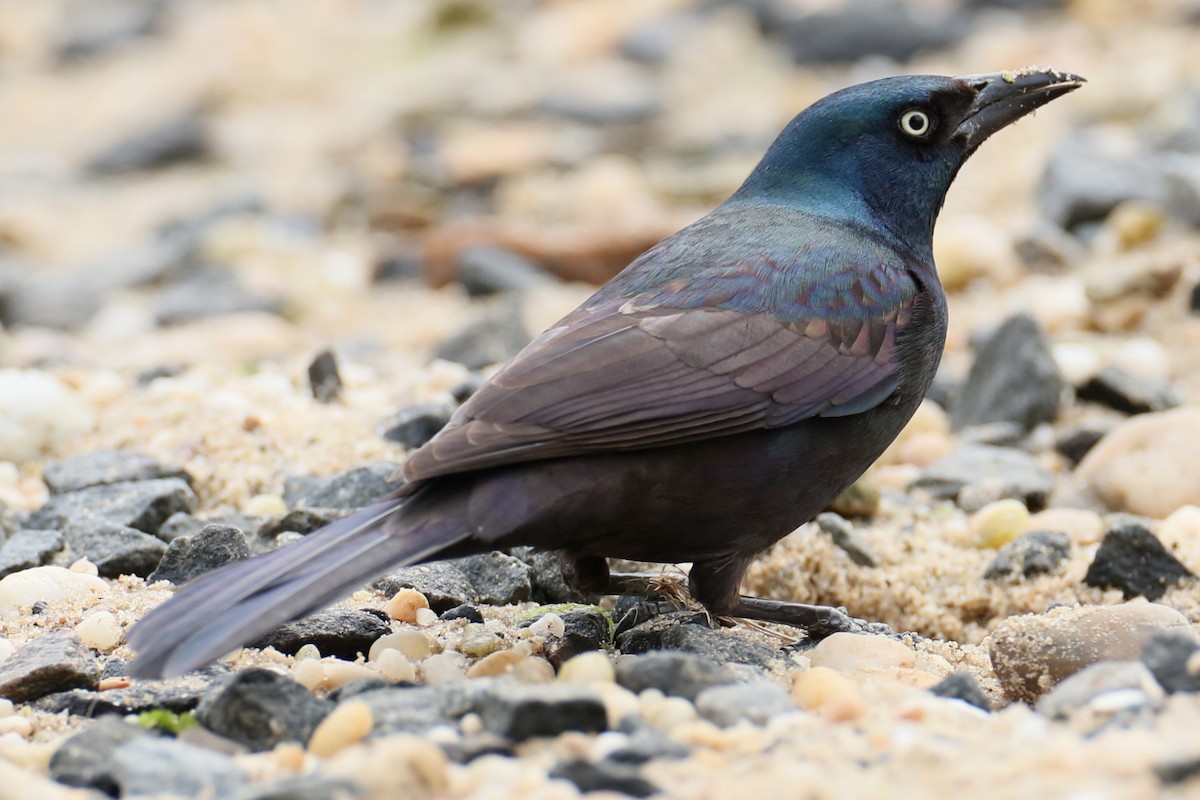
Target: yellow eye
point(916, 123)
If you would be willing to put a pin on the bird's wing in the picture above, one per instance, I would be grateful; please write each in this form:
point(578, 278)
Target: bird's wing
point(666, 368)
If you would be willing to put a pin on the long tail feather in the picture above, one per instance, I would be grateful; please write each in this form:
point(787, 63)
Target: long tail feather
point(239, 603)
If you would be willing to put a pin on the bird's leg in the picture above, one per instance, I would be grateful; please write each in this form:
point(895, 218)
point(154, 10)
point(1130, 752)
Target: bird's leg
point(587, 574)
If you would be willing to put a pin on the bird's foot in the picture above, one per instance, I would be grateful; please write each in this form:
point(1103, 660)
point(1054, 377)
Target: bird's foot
point(818, 622)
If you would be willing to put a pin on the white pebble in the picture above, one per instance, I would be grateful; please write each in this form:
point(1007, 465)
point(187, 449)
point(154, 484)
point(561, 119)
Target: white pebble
point(309, 650)
point(36, 410)
point(587, 668)
point(99, 631)
point(85, 567)
point(6, 707)
point(444, 668)
point(51, 584)
point(426, 617)
point(309, 673)
point(16, 724)
point(7, 648)
point(392, 665)
point(471, 724)
point(548, 625)
point(412, 644)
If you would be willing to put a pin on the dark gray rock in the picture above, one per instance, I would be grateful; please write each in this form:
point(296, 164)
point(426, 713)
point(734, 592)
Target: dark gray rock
point(465, 611)
point(687, 631)
point(144, 505)
point(518, 712)
point(645, 744)
point(444, 585)
point(989, 473)
point(53, 662)
point(604, 776)
point(891, 29)
point(417, 709)
point(1074, 443)
point(752, 702)
point(85, 759)
point(1132, 559)
point(156, 766)
point(1129, 394)
point(103, 468)
point(1013, 379)
point(1030, 554)
point(190, 556)
point(1048, 248)
point(962, 686)
point(29, 548)
point(176, 695)
point(549, 586)
point(324, 380)
point(473, 746)
point(584, 629)
point(498, 579)
point(673, 673)
point(302, 787)
point(498, 335)
point(178, 138)
point(1194, 299)
point(260, 709)
point(210, 292)
point(416, 425)
point(184, 524)
point(846, 537)
point(341, 632)
point(485, 270)
point(115, 549)
point(1171, 658)
point(298, 520)
point(632, 610)
point(354, 489)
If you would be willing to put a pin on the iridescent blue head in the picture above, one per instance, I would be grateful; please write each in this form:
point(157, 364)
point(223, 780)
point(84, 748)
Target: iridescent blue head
point(885, 152)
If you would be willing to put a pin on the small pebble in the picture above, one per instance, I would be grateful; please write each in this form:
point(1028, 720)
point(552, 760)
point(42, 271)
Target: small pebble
point(588, 667)
point(338, 672)
point(84, 567)
point(534, 670)
point(7, 648)
point(404, 605)
point(821, 686)
point(350, 722)
point(998, 523)
point(7, 709)
point(426, 617)
point(1082, 525)
point(395, 667)
point(499, 663)
point(478, 641)
point(847, 652)
point(548, 625)
point(444, 668)
point(412, 644)
point(665, 713)
point(99, 631)
point(264, 505)
point(307, 651)
point(16, 724)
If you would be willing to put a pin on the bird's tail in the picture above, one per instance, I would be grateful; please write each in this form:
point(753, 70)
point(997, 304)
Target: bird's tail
point(239, 603)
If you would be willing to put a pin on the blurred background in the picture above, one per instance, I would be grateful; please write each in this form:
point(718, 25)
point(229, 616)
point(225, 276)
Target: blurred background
point(207, 187)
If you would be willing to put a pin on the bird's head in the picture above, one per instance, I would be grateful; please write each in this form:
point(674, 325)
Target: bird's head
point(885, 152)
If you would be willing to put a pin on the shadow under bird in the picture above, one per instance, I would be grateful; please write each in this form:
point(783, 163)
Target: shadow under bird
point(719, 392)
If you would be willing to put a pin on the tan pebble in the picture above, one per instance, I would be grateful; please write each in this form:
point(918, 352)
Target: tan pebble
point(669, 713)
point(84, 567)
point(923, 449)
point(426, 617)
point(289, 756)
point(309, 650)
point(392, 665)
point(393, 767)
point(1182, 528)
point(587, 668)
point(500, 663)
point(350, 722)
point(860, 499)
point(264, 505)
point(444, 668)
point(99, 631)
point(411, 644)
point(309, 673)
point(1030, 654)
point(1081, 525)
point(108, 684)
point(819, 685)
point(1136, 222)
point(534, 669)
point(847, 652)
point(1148, 464)
point(16, 724)
point(998, 523)
point(967, 248)
point(404, 605)
point(618, 701)
point(471, 724)
point(339, 672)
point(6, 707)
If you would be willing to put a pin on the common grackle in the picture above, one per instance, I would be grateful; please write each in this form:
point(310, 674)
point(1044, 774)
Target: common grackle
point(713, 396)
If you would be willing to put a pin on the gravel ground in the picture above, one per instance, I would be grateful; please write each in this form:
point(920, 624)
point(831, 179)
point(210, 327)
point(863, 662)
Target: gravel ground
point(198, 200)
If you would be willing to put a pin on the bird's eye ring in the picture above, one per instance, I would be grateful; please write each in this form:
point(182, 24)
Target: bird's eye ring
point(916, 123)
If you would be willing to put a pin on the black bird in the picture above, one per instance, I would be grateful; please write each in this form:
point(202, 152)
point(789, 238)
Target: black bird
point(717, 393)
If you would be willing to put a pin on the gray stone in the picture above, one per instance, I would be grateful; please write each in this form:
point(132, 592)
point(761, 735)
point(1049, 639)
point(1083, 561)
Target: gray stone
point(1132, 559)
point(324, 380)
point(154, 766)
point(260, 709)
point(673, 673)
point(115, 549)
point(416, 425)
point(103, 468)
point(85, 759)
point(60, 301)
point(418, 709)
point(604, 776)
point(53, 662)
point(518, 712)
point(29, 548)
point(444, 585)
point(1129, 394)
point(210, 292)
point(498, 335)
point(302, 787)
point(342, 632)
point(962, 685)
point(144, 505)
point(175, 139)
point(752, 702)
point(584, 629)
point(1032, 553)
point(846, 536)
point(190, 556)
point(175, 694)
point(97, 29)
point(1173, 661)
point(1013, 379)
point(1108, 687)
point(486, 270)
point(353, 489)
point(988, 473)
point(465, 611)
point(688, 632)
point(298, 520)
point(498, 579)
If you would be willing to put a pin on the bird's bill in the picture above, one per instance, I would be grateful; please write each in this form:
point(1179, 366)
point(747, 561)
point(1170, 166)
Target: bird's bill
point(1004, 97)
